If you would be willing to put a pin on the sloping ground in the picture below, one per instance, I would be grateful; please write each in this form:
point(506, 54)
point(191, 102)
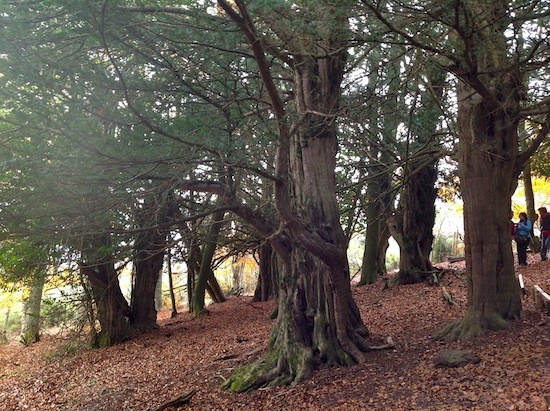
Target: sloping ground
point(197, 354)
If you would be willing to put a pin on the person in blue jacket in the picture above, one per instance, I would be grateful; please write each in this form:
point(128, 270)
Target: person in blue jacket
point(522, 236)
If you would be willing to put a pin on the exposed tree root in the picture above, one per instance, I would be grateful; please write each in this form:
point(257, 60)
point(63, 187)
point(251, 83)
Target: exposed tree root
point(270, 370)
point(472, 325)
point(291, 362)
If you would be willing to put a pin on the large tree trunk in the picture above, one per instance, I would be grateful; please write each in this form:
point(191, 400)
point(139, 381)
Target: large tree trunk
point(414, 229)
point(113, 311)
point(488, 147)
point(147, 270)
point(489, 166)
point(370, 269)
point(318, 323)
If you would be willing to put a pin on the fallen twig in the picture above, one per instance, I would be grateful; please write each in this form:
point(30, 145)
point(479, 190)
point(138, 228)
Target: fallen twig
point(389, 344)
point(448, 297)
point(182, 399)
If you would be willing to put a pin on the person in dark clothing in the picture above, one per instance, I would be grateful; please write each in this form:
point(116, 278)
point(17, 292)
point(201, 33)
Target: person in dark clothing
point(522, 236)
point(544, 224)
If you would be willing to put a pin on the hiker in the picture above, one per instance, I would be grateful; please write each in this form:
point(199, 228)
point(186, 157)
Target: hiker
point(544, 224)
point(522, 237)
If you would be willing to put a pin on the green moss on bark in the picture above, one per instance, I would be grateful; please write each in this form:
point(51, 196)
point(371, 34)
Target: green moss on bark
point(472, 325)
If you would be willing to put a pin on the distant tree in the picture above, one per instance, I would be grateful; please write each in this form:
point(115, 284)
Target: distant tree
point(24, 264)
point(415, 216)
point(32, 301)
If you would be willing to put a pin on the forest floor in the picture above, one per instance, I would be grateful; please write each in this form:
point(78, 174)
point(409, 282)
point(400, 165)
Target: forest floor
point(188, 353)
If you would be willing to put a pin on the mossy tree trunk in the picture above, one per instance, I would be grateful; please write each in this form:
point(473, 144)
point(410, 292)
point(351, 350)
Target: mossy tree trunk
point(318, 323)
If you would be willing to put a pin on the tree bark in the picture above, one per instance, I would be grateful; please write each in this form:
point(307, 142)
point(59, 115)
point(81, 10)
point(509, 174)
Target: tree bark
point(148, 261)
point(149, 251)
point(213, 287)
point(530, 202)
point(173, 306)
point(370, 269)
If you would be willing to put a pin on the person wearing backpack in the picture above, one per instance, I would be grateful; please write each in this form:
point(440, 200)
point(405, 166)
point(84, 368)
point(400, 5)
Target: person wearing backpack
point(544, 224)
point(522, 237)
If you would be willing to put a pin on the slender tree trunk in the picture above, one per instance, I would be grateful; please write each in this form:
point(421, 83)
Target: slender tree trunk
point(173, 305)
point(30, 321)
point(376, 240)
point(210, 244)
point(237, 269)
point(215, 290)
point(158, 293)
point(370, 269)
point(192, 261)
point(530, 203)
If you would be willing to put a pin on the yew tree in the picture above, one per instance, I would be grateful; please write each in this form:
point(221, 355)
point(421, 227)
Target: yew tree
point(498, 52)
point(318, 322)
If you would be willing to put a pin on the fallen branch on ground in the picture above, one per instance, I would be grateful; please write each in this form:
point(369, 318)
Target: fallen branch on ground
point(449, 297)
point(182, 399)
point(389, 344)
